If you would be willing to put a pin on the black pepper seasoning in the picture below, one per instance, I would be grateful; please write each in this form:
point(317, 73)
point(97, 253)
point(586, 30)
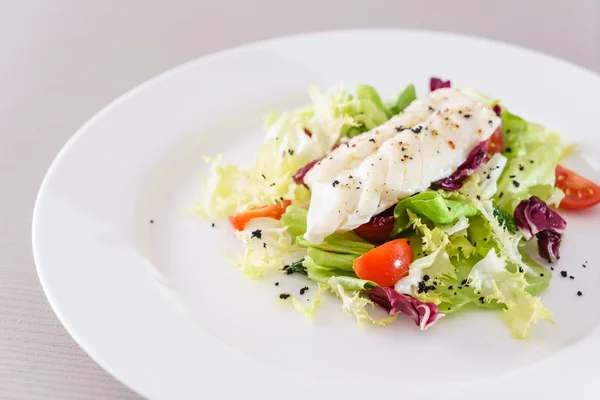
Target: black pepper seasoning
point(151, 221)
point(276, 283)
point(212, 225)
point(335, 183)
point(579, 293)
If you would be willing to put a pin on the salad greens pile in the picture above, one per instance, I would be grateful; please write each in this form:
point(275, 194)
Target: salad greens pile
point(468, 248)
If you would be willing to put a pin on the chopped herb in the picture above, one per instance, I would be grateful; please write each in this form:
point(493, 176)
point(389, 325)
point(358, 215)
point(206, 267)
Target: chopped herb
point(295, 267)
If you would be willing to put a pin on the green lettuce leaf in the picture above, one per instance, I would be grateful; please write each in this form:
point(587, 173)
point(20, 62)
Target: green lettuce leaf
point(354, 304)
point(407, 96)
point(433, 206)
point(494, 281)
point(533, 153)
point(310, 309)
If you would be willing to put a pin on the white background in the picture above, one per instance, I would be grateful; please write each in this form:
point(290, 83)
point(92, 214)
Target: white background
point(61, 61)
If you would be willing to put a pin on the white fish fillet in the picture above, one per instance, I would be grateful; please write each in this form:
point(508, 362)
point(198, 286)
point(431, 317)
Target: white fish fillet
point(372, 171)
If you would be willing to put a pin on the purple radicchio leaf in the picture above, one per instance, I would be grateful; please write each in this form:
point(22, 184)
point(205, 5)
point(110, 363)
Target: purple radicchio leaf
point(464, 170)
point(437, 83)
point(548, 245)
point(424, 314)
point(533, 216)
point(301, 173)
point(497, 109)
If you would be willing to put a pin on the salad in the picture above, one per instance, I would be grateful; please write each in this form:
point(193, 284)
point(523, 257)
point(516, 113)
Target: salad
point(425, 206)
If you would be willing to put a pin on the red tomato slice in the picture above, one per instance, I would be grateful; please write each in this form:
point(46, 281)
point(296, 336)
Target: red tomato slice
point(239, 220)
point(579, 192)
point(385, 264)
point(496, 144)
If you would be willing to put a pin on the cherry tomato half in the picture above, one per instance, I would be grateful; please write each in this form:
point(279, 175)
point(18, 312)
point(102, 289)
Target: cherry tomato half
point(239, 220)
point(579, 192)
point(495, 144)
point(385, 264)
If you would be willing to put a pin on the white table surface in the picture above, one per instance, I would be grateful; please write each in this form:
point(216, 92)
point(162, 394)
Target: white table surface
point(61, 61)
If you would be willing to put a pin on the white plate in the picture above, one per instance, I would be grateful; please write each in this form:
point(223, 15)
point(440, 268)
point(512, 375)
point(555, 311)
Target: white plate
point(158, 306)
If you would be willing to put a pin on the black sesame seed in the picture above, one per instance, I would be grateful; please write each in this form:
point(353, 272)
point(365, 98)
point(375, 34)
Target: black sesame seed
point(500, 195)
point(212, 225)
point(521, 269)
point(571, 277)
point(580, 293)
point(399, 128)
point(276, 283)
point(291, 152)
point(263, 176)
point(563, 274)
point(530, 161)
point(151, 221)
point(467, 116)
point(335, 183)
point(264, 245)
point(481, 299)
point(284, 296)
point(478, 197)
point(521, 167)
point(372, 140)
point(450, 287)
point(426, 277)
point(417, 129)
point(512, 176)
point(508, 149)
point(463, 282)
point(542, 274)
point(517, 184)
point(256, 234)
point(303, 290)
